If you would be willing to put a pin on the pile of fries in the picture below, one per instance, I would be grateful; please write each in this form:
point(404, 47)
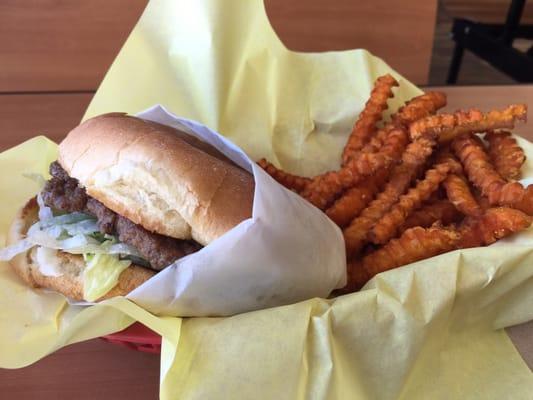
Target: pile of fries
point(420, 184)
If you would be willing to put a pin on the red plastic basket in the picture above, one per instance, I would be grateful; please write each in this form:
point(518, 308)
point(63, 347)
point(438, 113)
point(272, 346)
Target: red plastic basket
point(136, 337)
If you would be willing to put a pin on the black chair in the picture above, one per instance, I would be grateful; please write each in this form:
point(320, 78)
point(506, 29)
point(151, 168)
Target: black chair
point(494, 44)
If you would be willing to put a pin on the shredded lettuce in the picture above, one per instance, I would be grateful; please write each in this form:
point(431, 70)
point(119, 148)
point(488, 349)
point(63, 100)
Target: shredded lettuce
point(66, 219)
point(7, 253)
point(45, 212)
point(76, 233)
point(101, 274)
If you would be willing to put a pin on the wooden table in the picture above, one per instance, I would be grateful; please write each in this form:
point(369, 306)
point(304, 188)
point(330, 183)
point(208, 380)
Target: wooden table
point(96, 369)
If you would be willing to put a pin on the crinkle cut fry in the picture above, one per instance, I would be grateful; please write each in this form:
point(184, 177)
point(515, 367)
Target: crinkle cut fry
point(377, 141)
point(350, 204)
point(482, 200)
point(445, 127)
point(413, 245)
point(290, 181)
point(480, 171)
point(419, 107)
point(460, 196)
point(353, 201)
point(365, 125)
point(387, 227)
point(494, 224)
point(476, 163)
point(413, 158)
point(324, 189)
point(505, 153)
point(442, 211)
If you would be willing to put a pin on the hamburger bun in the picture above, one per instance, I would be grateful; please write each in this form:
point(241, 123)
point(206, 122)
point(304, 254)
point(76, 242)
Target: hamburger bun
point(158, 177)
point(70, 283)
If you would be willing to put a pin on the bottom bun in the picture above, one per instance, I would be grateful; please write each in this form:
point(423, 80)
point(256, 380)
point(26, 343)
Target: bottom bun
point(70, 283)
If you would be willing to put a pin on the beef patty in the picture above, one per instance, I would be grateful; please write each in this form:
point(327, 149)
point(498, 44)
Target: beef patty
point(64, 193)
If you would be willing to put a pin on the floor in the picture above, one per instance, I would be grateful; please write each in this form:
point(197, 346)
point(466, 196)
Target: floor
point(473, 70)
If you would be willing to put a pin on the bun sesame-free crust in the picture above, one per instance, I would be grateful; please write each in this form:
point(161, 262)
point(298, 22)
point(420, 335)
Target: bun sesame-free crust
point(158, 177)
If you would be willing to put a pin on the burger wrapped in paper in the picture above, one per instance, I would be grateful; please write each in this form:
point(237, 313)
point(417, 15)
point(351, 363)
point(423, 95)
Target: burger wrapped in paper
point(127, 198)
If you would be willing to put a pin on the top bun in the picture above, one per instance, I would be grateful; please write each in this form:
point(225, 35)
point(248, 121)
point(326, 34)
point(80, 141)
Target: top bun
point(158, 177)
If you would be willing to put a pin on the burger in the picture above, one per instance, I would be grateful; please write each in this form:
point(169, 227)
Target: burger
point(126, 198)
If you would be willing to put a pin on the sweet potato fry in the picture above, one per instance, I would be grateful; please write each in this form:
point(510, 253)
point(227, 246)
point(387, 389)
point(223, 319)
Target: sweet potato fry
point(355, 234)
point(419, 107)
point(373, 198)
point(494, 224)
point(290, 181)
point(391, 151)
point(377, 141)
point(365, 125)
point(438, 210)
point(413, 245)
point(445, 127)
point(515, 195)
point(482, 174)
point(506, 155)
point(353, 201)
point(350, 204)
point(482, 200)
point(413, 158)
point(470, 150)
point(460, 195)
point(387, 227)
point(324, 189)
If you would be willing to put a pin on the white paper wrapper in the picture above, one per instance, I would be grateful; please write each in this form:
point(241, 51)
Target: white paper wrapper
point(287, 252)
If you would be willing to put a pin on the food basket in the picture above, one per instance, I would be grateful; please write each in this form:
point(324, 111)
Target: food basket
point(136, 337)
